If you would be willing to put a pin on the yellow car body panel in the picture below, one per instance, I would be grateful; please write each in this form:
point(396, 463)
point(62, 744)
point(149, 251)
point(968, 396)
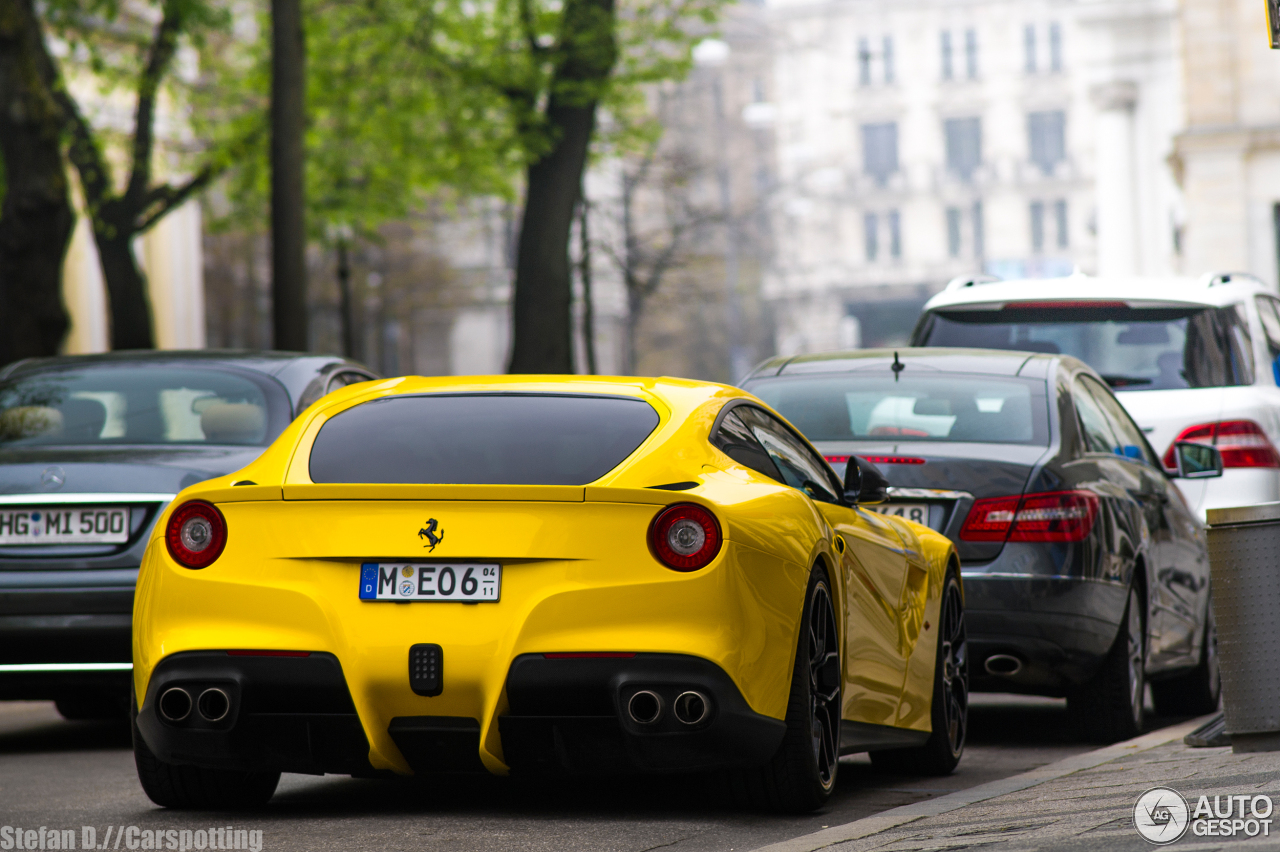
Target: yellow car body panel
point(577, 572)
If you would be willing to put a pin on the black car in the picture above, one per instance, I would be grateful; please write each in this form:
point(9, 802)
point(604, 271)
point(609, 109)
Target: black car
point(92, 449)
point(1085, 572)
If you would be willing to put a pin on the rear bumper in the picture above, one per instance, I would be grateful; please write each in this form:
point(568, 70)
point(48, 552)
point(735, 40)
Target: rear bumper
point(295, 714)
point(65, 632)
point(1059, 629)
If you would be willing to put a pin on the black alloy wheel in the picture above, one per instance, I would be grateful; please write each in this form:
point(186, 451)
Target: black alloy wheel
point(801, 775)
point(1198, 691)
point(1109, 708)
point(824, 685)
point(949, 714)
point(955, 670)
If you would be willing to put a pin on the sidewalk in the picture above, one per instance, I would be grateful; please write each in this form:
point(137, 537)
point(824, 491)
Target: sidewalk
point(1081, 803)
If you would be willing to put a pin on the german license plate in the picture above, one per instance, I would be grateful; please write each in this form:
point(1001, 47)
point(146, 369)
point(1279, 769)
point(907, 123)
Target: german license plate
point(64, 525)
point(401, 581)
point(918, 512)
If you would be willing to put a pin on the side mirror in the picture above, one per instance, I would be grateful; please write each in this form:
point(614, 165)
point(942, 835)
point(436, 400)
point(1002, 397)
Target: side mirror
point(864, 483)
point(1197, 461)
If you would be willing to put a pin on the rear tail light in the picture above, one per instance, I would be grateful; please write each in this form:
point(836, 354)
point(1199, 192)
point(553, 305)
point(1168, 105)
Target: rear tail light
point(1047, 516)
point(196, 534)
point(877, 459)
point(685, 537)
point(1241, 442)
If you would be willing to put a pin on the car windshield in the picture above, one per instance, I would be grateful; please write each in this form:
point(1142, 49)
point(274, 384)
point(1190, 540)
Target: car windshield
point(1133, 348)
point(481, 439)
point(934, 407)
point(118, 404)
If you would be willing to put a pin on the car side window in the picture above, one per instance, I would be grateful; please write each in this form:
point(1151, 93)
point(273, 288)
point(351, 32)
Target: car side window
point(798, 464)
point(1097, 433)
point(1240, 343)
point(735, 439)
point(1132, 443)
point(1269, 313)
point(344, 378)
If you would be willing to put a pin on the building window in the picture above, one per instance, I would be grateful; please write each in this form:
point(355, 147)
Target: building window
point(971, 54)
point(953, 231)
point(1060, 217)
point(871, 226)
point(1046, 132)
point(964, 146)
point(1029, 48)
point(888, 60)
point(880, 150)
point(895, 235)
point(1055, 47)
point(864, 63)
point(948, 71)
point(1037, 226)
point(979, 232)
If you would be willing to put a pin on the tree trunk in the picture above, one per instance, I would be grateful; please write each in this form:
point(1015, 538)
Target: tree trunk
point(584, 271)
point(288, 226)
point(344, 299)
point(542, 311)
point(36, 217)
point(126, 290)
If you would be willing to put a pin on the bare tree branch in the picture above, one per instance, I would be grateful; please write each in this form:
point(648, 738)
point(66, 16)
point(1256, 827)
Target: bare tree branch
point(160, 55)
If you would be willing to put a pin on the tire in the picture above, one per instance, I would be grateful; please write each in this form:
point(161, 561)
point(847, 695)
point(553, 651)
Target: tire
point(198, 788)
point(950, 711)
point(1198, 691)
point(801, 776)
point(1109, 708)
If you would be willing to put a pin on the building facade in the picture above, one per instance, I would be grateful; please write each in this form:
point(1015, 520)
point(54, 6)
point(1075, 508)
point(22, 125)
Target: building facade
point(1229, 152)
point(923, 139)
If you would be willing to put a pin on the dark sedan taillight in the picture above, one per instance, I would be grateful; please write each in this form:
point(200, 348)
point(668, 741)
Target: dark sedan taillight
point(1046, 516)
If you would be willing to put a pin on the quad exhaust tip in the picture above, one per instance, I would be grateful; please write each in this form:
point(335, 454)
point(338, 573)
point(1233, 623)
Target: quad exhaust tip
point(214, 704)
point(1003, 665)
point(175, 704)
point(645, 707)
point(691, 708)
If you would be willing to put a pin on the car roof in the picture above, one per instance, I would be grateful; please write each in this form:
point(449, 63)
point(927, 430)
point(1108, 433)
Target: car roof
point(264, 361)
point(991, 362)
point(1215, 289)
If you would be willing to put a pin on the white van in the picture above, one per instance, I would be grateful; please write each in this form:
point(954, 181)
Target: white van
point(1192, 360)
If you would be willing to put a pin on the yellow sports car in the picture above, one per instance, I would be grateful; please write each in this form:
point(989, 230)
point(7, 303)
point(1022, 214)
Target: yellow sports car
point(542, 574)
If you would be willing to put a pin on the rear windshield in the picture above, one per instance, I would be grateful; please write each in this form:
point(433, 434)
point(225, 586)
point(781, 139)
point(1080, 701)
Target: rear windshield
point(1133, 348)
point(938, 407)
point(118, 404)
point(481, 439)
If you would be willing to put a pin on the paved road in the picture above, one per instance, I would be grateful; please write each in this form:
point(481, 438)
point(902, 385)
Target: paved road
point(66, 775)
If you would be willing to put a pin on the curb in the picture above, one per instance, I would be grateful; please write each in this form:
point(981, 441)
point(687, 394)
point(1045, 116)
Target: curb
point(895, 817)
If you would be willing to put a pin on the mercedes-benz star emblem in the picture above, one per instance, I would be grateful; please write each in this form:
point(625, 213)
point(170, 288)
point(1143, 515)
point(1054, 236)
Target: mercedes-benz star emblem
point(53, 477)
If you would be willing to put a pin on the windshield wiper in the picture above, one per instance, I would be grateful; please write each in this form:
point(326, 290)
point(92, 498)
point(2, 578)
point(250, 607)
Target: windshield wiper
point(1126, 381)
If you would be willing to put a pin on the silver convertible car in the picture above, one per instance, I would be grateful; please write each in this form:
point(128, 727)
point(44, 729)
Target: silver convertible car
point(92, 449)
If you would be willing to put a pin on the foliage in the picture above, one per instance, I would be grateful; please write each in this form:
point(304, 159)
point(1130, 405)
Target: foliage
point(385, 125)
point(409, 98)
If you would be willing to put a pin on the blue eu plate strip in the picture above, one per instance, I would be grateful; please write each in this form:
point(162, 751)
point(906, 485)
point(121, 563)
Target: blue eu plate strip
point(368, 581)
